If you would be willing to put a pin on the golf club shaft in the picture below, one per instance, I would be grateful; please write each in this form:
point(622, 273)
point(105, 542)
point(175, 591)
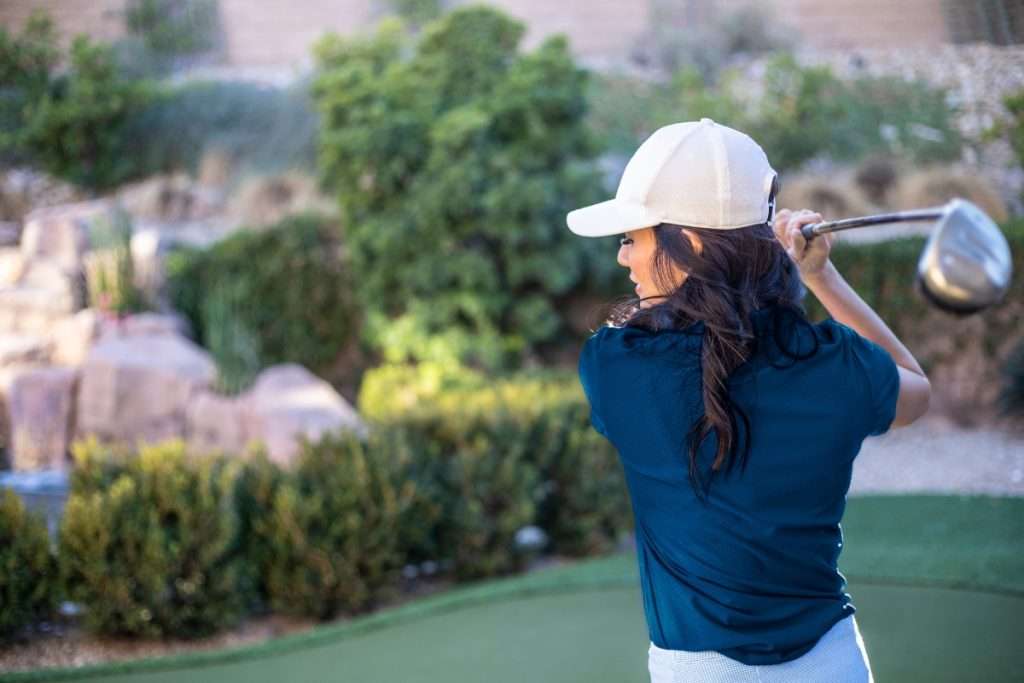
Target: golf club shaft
point(813, 229)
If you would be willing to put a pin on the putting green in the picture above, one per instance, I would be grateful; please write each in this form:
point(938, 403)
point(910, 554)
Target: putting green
point(584, 622)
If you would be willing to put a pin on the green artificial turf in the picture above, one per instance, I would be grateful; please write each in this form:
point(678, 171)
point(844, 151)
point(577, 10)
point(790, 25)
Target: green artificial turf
point(936, 581)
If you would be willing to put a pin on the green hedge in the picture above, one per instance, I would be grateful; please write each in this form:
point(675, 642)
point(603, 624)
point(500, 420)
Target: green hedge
point(148, 541)
point(162, 542)
point(29, 589)
point(333, 530)
point(570, 475)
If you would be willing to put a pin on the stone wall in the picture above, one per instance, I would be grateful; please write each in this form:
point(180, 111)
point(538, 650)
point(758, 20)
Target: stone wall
point(275, 33)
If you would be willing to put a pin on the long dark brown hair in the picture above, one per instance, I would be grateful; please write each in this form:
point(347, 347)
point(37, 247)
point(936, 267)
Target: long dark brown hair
point(737, 272)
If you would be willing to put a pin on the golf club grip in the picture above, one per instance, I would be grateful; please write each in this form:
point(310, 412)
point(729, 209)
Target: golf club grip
point(808, 231)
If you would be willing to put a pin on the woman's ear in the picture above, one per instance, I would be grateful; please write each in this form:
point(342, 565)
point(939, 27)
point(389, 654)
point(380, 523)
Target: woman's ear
point(698, 246)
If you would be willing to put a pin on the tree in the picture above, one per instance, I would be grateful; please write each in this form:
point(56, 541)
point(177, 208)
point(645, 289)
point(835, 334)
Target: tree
point(455, 160)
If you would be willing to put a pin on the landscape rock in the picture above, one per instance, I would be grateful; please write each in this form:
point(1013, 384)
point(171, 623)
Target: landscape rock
point(288, 400)
point(139, 387)
point(12, 265)
point(64, 233)
point(216, 423)
point(74, 335)
point(21, 349)
point(37, 410)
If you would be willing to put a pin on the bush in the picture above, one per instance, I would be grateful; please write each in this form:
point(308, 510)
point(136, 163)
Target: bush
point(173, 27)
point(110, 270)
point(149, 541)
point(261, 129)
point(332, 528)
point(29, 586)
point(454, 166)
point(802, 113)
point(25, 64)
point(258, 298)
point(73, 127)
point(673, 42)
point(257, 486)
point(1011, 126)
point(516, 451)
point(1011, 396)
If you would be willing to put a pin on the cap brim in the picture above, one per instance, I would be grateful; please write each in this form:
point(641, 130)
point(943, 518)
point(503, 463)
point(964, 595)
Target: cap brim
point(612, 217)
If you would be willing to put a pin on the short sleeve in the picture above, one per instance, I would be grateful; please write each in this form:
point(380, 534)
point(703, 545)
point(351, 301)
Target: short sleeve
point(881, 379)
point(588, 371)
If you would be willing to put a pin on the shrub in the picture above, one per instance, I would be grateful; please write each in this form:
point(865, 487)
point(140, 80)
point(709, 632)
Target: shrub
point(109, 268)
point(802, 112)
point(25, 64)
point(1011, 126)
point(672, 41)
point(518, 444)
point(148, 541)
point(173, 27)
point(257, 486)
point(332, 527)
point(74, 126)
point(29, 587)
point(258, 298)
point(454, 164)
point(261, 129)
point(1011, 395)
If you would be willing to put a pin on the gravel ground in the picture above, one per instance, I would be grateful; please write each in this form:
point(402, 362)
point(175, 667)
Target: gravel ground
point(935, 455)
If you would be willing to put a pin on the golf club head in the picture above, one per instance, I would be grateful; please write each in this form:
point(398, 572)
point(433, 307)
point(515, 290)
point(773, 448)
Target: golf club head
point(965, 265)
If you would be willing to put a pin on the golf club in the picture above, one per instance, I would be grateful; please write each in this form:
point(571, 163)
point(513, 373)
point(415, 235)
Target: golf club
point(965, 265)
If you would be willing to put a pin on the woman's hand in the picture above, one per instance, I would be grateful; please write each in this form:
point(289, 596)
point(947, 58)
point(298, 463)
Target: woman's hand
point(811, 257)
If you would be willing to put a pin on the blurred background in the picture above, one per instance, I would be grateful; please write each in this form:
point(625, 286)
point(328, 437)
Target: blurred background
point(225, 224)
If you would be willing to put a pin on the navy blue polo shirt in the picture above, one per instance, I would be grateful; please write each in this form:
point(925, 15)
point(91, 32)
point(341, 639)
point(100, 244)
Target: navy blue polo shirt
point(751, 570)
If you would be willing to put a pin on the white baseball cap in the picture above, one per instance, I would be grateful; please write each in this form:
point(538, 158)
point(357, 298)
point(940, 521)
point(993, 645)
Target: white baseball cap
point(694, 173)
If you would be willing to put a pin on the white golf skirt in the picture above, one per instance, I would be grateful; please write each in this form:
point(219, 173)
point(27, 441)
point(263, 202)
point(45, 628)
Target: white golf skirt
point(838, 657)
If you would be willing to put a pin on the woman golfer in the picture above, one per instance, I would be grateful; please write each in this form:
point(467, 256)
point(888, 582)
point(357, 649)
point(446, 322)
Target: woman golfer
point(736, 419)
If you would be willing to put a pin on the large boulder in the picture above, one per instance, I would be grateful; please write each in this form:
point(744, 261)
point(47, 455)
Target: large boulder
point(37, 405)
point(71, 337)
point(138, 387)
point(286, 401)
point(63, 234)
point(43, 293)
point(23, 349)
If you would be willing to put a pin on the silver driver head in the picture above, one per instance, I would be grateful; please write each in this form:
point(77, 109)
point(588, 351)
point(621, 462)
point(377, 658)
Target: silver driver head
point(966, 264)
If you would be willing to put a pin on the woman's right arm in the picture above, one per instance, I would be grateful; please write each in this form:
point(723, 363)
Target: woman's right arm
point(847, 307)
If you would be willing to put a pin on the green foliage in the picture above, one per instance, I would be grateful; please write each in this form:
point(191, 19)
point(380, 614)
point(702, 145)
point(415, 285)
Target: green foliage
point(261, 129)
point(454, 163)
point(803, 112)
point(73, 126)
point(25, 64)
point(173, 27)
point(673, 42)
point(110, 273)
point(332, 530)
point(148, 542)
point(257, 486)
point(264, 297)
point(517, 451)
point(1011, 395)
point(417, 12)
point(29, 586)
point(1012, 126)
